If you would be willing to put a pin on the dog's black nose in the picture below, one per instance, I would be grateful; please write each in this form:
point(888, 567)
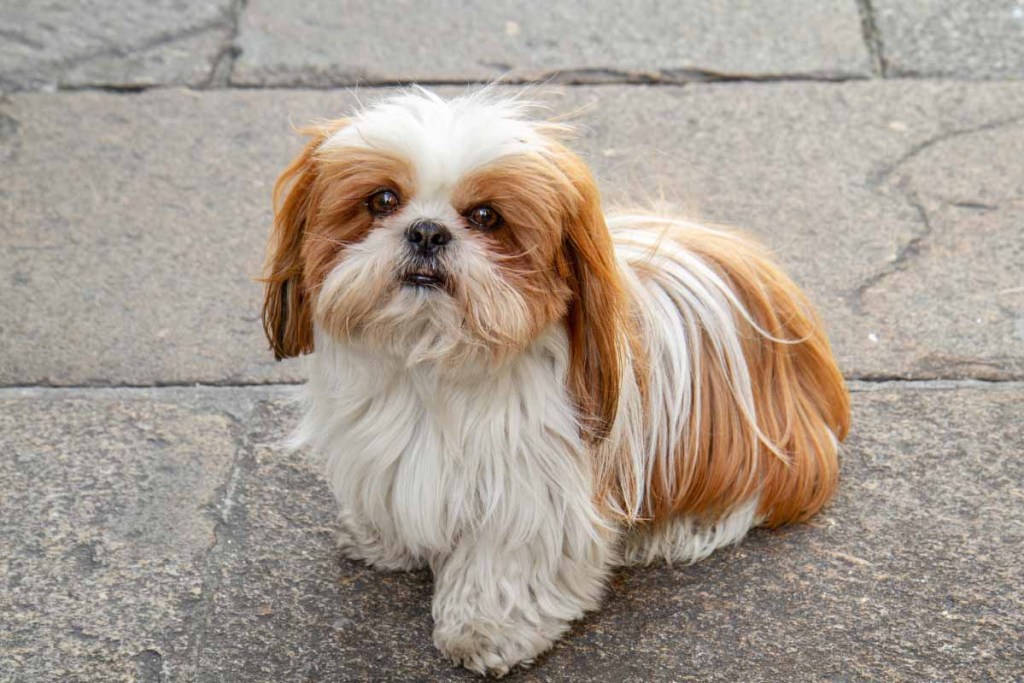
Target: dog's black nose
point(427, 237)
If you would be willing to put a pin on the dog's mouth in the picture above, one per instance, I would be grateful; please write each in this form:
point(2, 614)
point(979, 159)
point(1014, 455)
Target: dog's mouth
point(424, 279)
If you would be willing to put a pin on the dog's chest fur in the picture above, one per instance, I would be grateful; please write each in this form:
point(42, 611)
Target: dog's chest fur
point(427, 455)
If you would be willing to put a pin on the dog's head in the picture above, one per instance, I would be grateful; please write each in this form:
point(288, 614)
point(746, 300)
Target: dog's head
point(445, 230)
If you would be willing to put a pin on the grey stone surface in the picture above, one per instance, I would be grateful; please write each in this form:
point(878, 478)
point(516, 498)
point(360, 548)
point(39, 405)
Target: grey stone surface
point(324, 42)
point(108, 509)
point(158, 533)
point(133, 226)
point(949, 38)
point(964, 269)
point(133, 231)
point(127, 43)
point(895, 204)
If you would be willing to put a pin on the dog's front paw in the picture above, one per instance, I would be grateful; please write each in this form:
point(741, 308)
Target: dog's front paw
point(489, 648)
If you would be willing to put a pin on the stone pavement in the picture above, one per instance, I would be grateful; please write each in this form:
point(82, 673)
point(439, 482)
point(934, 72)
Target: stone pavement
point(150, 530)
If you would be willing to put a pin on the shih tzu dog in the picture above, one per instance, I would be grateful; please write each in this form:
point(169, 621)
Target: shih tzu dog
point(522, 392)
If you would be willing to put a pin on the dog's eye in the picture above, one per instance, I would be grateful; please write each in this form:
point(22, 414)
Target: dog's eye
point(484, 218)
point(383, 202)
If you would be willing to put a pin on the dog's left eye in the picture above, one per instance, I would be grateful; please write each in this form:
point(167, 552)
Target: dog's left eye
point(484, 218)
point(383, 202)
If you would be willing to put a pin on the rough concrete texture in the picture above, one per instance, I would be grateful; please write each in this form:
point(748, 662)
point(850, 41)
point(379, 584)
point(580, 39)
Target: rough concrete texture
point(896, 205)
point(138, 252)
point(125, 44)
point(109, 508)
point(346, 43)
point(133, 226)
point(153, 533)
point(979, 39)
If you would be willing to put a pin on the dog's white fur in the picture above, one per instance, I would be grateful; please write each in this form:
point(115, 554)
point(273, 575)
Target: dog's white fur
point(480, 473)
point(479, 469)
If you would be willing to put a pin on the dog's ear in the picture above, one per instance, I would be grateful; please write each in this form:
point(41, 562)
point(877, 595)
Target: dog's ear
point(287, 311)
point(598, 320)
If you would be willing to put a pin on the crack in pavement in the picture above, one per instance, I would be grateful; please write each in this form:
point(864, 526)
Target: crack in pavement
point(889, 383)
point(239, 411)
point(872, 38)
point(906, 254)
point(238, 393)
point(975, 206)
point(224, 63)
point(213, 81)
point(156, 384)
point(878, 178)
point(680, 76)
point(55, 68)
point(590, 76)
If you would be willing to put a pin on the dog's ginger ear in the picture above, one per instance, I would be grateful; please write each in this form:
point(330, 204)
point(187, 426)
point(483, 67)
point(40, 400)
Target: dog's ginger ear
point(287, 311)
point(598, 320)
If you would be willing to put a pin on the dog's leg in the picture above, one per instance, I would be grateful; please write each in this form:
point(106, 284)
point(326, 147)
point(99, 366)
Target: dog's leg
point(687, 540)
point(358, 540)
point(499, 602)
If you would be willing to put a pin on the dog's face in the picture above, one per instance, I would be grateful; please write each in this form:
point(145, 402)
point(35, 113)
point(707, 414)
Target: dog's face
point(445, 231)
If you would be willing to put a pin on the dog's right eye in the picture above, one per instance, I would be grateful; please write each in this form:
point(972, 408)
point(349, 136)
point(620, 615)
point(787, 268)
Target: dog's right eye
point(383, 202)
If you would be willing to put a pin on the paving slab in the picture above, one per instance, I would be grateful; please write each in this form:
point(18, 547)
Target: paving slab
point(160, 534)
point(896, 205)
point(325, 42)
point(108, 509)
point(980, 39)
point(130, 43)
point(133, 231)
point(131, 227)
